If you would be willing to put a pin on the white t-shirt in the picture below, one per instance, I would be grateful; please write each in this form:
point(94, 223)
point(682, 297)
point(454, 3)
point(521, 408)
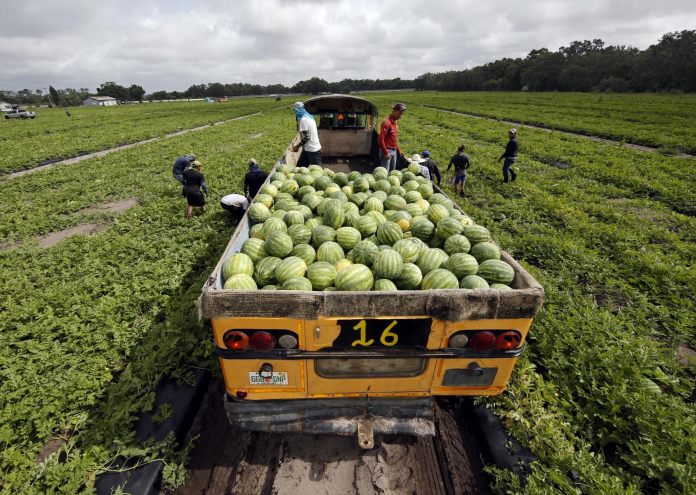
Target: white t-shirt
point(235, 200)
point(307, 124)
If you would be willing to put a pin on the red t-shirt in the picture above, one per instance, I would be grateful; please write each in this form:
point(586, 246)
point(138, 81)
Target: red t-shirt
point(388, 134)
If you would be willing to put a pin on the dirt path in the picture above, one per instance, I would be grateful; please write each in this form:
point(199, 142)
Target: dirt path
point(79, 159)
point(229, 461)
point(590, 138)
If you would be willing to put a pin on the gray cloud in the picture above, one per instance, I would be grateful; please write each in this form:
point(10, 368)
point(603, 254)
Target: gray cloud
point(172, 45)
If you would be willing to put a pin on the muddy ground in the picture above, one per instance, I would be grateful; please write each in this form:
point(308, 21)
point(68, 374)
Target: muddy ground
point(227, 461)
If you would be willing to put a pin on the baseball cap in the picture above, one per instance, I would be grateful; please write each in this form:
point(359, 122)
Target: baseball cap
point(399, 107)
point(196, 163)
point(426, 154)
point(191, 157)
point(513, 131)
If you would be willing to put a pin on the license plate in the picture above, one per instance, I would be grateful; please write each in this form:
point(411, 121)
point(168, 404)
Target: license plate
point(278, 378)
point(384, 332)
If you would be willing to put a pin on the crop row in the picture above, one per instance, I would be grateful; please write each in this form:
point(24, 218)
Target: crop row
point(659, 121)
point(24, 143)
point(617, 269)
point(91, 325)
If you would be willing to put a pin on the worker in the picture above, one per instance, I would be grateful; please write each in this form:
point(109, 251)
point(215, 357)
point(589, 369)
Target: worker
point(309, 138)
point(510, 156)
point(253, 180)
point(432, 167)
point(424, 170)
point(461, 165)
point(388, 137)
point(193, 182)
point(67, 113)
point(235, 204)
point(181, 164)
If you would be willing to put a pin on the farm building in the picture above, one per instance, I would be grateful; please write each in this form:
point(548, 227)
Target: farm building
point(5, 107)
point(99, 101)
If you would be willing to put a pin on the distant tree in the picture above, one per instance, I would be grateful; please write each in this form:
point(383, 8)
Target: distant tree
point(136, 92)
point(315, 85)
point(541, 71)
point(114, 90)
point(54, 95)
point(159, 95)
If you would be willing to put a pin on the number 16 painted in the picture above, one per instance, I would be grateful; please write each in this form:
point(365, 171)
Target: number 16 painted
point(388, 338)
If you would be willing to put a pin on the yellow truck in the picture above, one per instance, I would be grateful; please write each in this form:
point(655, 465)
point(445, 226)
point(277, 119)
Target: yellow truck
point(360, 362)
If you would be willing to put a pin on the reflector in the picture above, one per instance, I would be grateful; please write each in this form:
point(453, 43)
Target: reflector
point(287, 341)
point(458, 341)
point(236, 341)
point(508, 340)
point(483, 341)
point(262, 341)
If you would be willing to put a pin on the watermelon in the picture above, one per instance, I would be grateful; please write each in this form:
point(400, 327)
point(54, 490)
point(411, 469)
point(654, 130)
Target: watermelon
point(381, 195)
point(237, 263)
point(330, 252)
point(364, 253)
point(321, 183)
point(278, 244)
point(358, 199)
point(280, 176)
point(296, 283)
point(283, 196)
point(500, 287)
point(396, 190)
point(273, 225)
point(423, 229)
point(388, 264)
point(408, 250)
point(334, 216)
point(366, 226)
point(270, 287)
point(347, 190)
point(325, 203)
point(457, 244)
point(340, 179)
point(255, 249)
point(305, 190)
point(414, 168)
point(279, 214)
point(259, 213)
point(255, 230)
point(373, 239)
point(241, 281)
point(342, 264)
point(394, 202)
point(323, 234)
point(356, 277)
point(348, 237)
point(300, 234)
point(485, 251)
point(462, 264)
point(340, 195)
point(377, 217)
point(436, 241)
point(388, 233)
point(313, 223)
point(410, 278)
point(321, 275)
point(306, 252)
point(349, 207)
point(440, 279)
point(424, 205)
point(304, 181)
point(436, 213)
point(374, 204)
point(380, 173)
point(311, 201)
point(447, 227)
point(383, 185)
point(437, 198)
point(396, 173)
point(383, 247)
point(371, 181)
point(272, 191)
point(476, 234)
point(429, 260)
point(473, 282)
point(292, 266)
point(466, 221)
point(361, 185)
point(384, 285)
point(305, 210)
point(293, 218)
point(413, 209)
point(352, 218)
point(409, 186)
point(425, 190)
point(412, 196)
point(402, 219)
point(496, 272)
point(264, 271)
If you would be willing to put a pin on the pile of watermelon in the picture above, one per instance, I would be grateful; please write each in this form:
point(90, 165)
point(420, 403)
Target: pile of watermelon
point(314, 229)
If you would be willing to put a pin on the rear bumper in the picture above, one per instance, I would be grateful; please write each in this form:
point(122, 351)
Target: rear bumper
point(392, 415)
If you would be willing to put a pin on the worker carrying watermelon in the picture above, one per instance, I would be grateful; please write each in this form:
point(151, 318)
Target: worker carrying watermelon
point(510, 156)
point(388, 137)
point(309, 138)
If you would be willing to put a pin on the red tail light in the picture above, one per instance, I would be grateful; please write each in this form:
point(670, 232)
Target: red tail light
point(508, 340)
point(241, 394)
point(263, 341)
point(236, 341)
point(483, 341)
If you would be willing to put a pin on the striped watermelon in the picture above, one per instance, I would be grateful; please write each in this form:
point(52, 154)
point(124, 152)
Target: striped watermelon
point(409, 186)
point(283, 196)
point(384, 285)
point(436, 241)
point(270, 287)
point(364, 253)
point(305, 190)
point(321, 183)
point(394, 202)
point(305, 252)
point(485, 251)
point(296, 283)
point(374, 204)
point(292, 266)
point(424, 205)
point(342, 264)
point(340, 179)
point(388, 233)
point(311, 201)
point(462, 264)
point(440, 279)
point(272, 191)
point(279, 214)
point(396, 173)
point(304, 180)
point(371, 181)
point(383, 185)
point(293, 218)
point(457, 244)
point(273, 225)
point(402, 219)
point(437, 198)
point(429, 260)
point(278, 244)
point(264, 271)
point(352, 218)
point(334, 216)
point(476, 234)
point(381, 195)
point(436, 213)
point(373, 239)
point(466, 221)
point(355, 278)
point(278, 176)
point(347, 190)
point(366, 226)
point(408, 250)
point(473, 282)
point(423, 229)
point(259, 213)
point(290, 187)
point(240, 281)
point(255, 249)
point(413, 209)
point(500, 287)
point(330, 252)
point(414, 168)
point(396, 190)
point(447, 227)
point(237, 263)
point(380, 173)
point(348, 237)
point(410, 278)
point(389, 264)
point(340, 195)
point(305, 210)
point(300, 234)
point(496, 272)
point(358, 199)
point(361, 185)
point(323, 234)
point(412, 196)
point(377, 217)
point(321, 275)
point(255, 230)
point(349, 207)
point(425, 190)
point(313, 223)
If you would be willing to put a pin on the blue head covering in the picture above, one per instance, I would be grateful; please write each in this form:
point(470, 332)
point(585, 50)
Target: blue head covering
point(253, 166)
point(300, 111)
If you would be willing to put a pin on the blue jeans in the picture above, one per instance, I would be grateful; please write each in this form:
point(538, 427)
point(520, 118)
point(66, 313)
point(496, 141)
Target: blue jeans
point(389, 163)
point(178, 177)
point(507, 167)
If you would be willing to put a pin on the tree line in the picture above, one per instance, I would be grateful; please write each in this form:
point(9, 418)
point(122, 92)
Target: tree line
point(669, 65)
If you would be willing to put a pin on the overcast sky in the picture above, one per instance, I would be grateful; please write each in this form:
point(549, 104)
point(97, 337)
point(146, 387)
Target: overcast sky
point(174, 44)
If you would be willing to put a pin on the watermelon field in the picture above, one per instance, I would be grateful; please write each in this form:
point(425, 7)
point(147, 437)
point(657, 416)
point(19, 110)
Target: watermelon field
point(603, 396)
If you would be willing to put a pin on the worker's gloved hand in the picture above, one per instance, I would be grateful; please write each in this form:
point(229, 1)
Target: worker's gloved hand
point(295, 149)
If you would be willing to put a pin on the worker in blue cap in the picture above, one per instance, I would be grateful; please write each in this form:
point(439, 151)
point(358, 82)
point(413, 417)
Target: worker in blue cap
point(432, 167)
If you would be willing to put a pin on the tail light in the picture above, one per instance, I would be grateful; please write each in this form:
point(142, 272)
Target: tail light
point(241, 394)
point(482, 341)
point(508, 340)
point(262, 341)
point(236, 341)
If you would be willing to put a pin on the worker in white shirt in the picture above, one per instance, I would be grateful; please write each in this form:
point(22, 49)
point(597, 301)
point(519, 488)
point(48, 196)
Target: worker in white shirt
point(235, 204)
point(309, 137)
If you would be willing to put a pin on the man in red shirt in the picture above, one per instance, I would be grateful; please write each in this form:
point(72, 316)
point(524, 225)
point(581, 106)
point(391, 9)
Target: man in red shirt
point(387, 140)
